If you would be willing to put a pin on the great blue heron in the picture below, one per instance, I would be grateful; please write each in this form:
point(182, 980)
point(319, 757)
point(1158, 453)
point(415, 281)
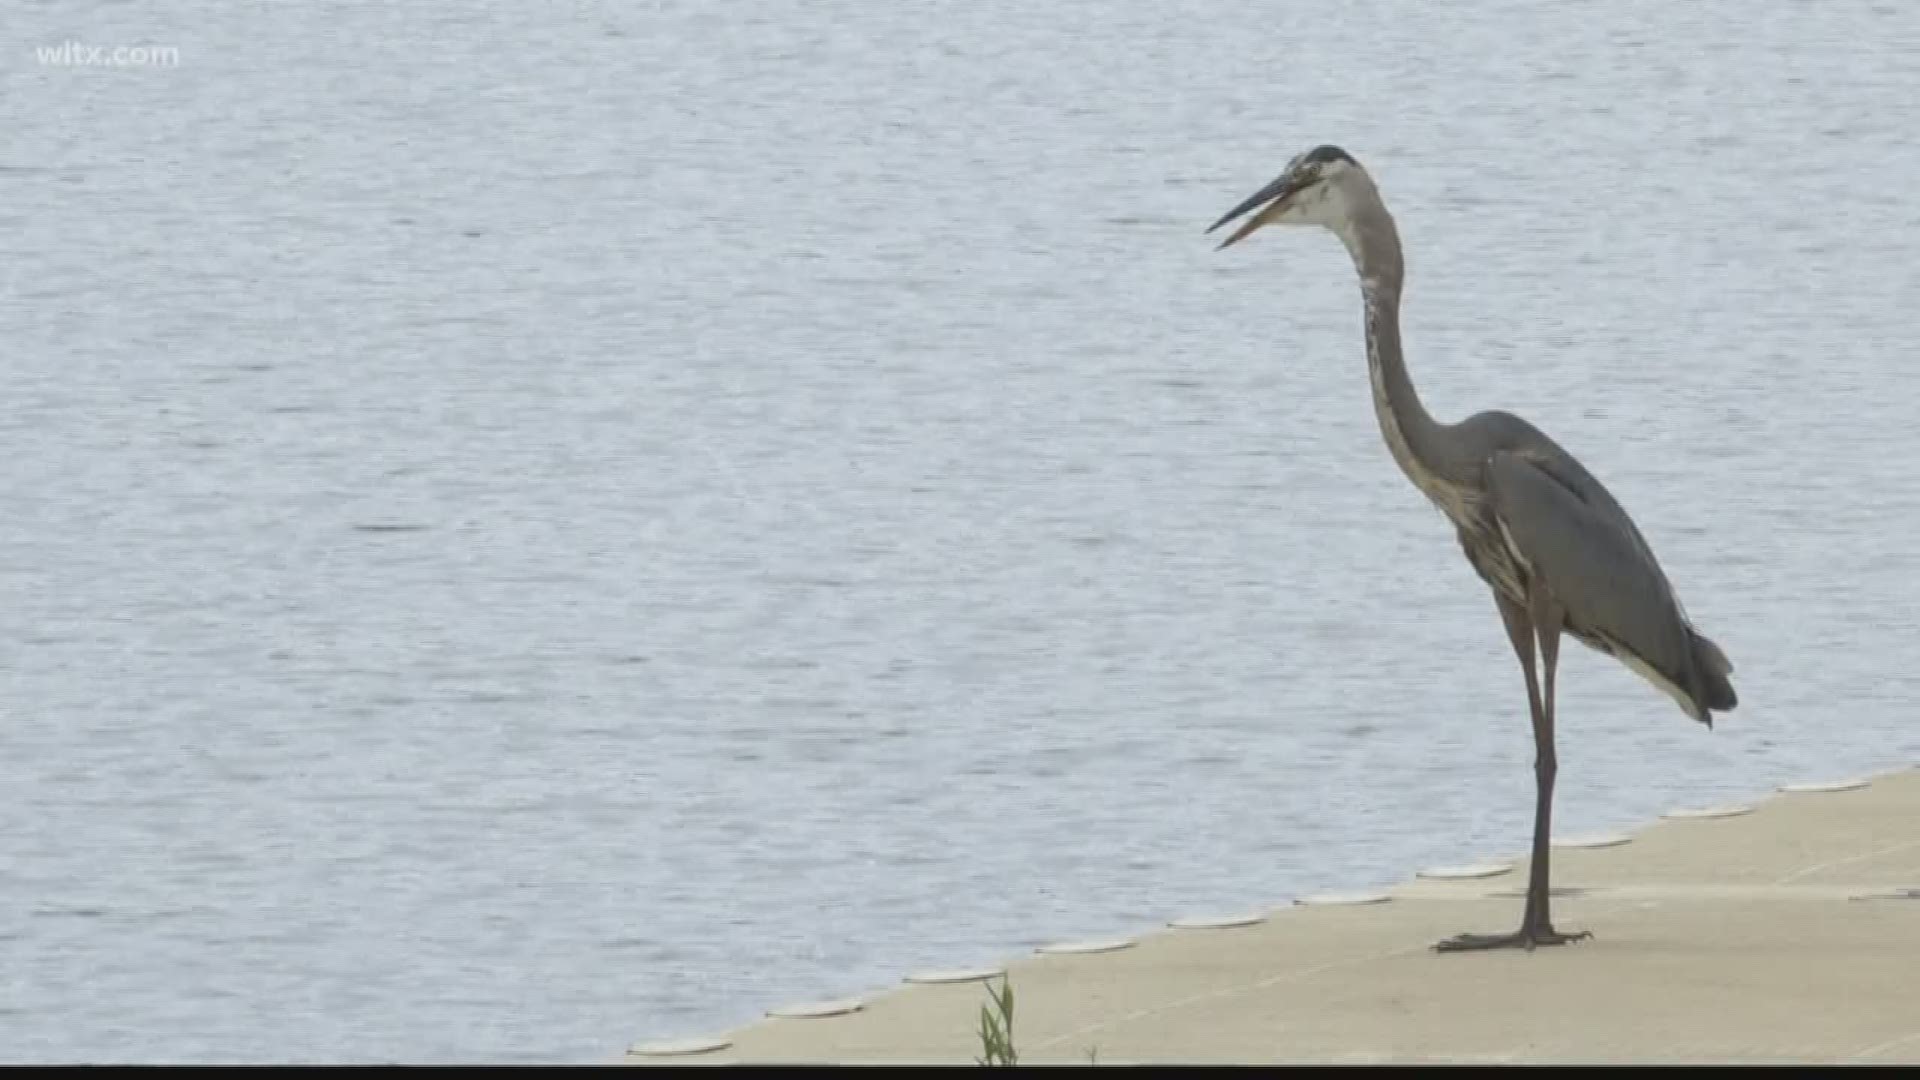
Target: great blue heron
point(1558, 551)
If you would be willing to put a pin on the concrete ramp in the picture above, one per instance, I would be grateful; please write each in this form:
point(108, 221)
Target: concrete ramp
point(1787, 931)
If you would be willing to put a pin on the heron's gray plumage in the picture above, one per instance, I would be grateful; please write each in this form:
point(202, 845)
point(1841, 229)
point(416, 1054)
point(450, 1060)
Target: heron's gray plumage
point(1556, 548)
point(1528, 514)
point(1579, 545)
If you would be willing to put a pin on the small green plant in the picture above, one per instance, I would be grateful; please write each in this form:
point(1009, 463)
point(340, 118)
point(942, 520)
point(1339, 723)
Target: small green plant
point(996, 1027)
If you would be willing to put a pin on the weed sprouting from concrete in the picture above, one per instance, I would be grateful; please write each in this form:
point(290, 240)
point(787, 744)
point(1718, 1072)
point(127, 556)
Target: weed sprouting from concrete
point(996, 1027)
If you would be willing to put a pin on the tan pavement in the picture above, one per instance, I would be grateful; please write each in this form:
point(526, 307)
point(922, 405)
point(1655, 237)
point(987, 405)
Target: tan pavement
point(1774, 935)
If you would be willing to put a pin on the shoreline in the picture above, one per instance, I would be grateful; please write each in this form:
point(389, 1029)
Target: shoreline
point(1780, 930)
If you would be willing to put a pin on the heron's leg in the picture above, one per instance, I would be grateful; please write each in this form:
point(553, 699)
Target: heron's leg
point(1535, 926)
point(1548, 618)
point(1520, 630)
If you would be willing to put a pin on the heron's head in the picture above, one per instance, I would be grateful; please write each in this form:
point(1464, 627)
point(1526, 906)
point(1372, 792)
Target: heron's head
point(1318, 187)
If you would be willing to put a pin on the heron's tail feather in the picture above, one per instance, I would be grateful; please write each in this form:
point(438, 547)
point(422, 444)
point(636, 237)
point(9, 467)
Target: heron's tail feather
point(1711, 655)
point(1711, 667)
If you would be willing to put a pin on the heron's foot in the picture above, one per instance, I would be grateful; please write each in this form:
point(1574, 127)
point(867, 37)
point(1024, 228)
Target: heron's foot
point(1525, 938)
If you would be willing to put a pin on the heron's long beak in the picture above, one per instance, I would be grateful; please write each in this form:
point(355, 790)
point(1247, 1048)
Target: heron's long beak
point(1276, 193)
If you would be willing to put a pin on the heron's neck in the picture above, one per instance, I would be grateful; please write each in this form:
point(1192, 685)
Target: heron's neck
point(1411, 432)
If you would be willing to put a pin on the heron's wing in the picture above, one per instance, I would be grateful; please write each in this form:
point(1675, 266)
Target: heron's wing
point(1577, 541)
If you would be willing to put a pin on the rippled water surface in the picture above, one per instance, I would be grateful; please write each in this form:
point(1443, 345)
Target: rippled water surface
point(532, 526)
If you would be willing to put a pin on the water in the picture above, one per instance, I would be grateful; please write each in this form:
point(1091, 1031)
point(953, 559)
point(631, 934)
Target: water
point(531, 527)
